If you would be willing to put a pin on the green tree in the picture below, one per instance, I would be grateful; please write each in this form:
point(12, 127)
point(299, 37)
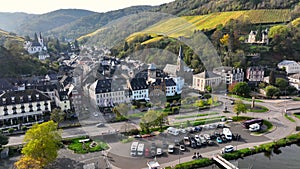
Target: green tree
point(121, 110)
point(281, 83)
point(150, 119)
point(272, 78)
point(57, 115)
point(272, 91)
point(208, 89)
point(199, 103)
point(3, 140)
point(42, 142)
point(239, 108)
point(279, 30)
point(241, 89)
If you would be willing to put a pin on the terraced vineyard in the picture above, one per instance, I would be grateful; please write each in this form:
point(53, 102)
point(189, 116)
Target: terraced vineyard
point(185, 26)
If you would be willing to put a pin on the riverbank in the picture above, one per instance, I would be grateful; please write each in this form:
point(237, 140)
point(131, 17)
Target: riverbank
point(265, 147)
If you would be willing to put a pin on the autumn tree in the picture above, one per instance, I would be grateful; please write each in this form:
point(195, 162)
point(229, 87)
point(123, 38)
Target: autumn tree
point(42, 142)
point(239, 108)
point(28, 163)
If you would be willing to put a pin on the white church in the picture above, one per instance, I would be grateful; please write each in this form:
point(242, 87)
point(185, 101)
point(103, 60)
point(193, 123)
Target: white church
point(37, 46)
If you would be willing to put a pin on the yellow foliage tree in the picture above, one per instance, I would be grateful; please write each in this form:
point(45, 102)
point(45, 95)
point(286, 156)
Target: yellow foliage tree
point(28, 162)
point(224, 40)
point(42, 142)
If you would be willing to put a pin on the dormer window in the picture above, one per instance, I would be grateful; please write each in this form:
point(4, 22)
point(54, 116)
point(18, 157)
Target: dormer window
point(4, 100)
point(12, 99)
point(21, 98)
point(29, 97)
point(37, 96)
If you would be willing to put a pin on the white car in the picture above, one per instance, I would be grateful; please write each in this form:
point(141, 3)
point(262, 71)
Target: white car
point(100, 125)
point(159, 151)
point(171, 148)
point(206, 136)
point(182, 147)
point(227, 149)
point(197, 138)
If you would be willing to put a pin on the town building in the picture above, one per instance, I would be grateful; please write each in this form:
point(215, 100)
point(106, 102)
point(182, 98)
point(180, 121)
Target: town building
point(255, 74)
point(231, 75)
point(108, 92)
point(289, 66)
point(62, 100)
point(19, 108)
point(138, 89)
point(294, 80)
point(206, 78)
point(264, 37)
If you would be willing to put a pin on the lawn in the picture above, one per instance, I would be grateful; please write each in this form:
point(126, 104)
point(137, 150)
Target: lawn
point(289, 118)
point(296, 99)
point(199, 121)
point(297, 115)
point(257, 109)
point(83, 148)
point(196, 115)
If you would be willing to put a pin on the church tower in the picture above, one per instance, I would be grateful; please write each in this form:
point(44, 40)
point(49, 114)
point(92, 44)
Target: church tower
point(41, 40)
point(180, 63)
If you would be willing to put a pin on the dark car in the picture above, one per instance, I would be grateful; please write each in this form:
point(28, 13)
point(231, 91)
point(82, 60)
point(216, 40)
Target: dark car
point(193, 142)
point(153, 149)
point(197, 128)
point(224, 140)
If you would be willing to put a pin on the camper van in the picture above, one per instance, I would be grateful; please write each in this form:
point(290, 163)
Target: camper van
point(140, 149)
point(133, 148)
point(227, 133)
point(173, 131)
point(254, 127)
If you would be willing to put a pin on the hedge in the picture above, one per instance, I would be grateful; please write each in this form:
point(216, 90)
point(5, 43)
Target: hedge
point(203, 162)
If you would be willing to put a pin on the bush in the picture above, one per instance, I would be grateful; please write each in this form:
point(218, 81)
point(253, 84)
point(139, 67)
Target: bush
point(11, 130)
point(241, 118)
point(24, 128)
point(203, 162)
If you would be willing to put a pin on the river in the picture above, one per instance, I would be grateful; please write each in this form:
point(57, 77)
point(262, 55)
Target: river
point(284, 158)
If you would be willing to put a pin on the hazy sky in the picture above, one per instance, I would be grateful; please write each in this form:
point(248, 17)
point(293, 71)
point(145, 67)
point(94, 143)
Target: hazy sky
point(44, 6)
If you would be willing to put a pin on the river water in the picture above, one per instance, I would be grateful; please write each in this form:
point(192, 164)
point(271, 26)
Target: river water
point(285, 158)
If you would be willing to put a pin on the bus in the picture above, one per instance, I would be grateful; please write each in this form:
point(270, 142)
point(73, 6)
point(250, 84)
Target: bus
point(247, 123)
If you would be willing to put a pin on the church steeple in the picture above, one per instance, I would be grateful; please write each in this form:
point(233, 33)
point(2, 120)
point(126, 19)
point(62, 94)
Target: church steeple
point(180, 60)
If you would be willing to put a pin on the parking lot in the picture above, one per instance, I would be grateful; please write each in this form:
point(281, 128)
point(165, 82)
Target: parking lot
point(121, 152)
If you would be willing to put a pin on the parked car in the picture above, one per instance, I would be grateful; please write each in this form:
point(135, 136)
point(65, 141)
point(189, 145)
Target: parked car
point(206, 136)
point(153, 149)
point(210, 143)
point(182, 147)
point(171, 148)
point(177, 142)
point(227, 149)
point(224, 140)
point(159, 151)
point(197, 128)
point(147, 152)
point(219, 140)
point(100, 125)
point(197, 138)
point(193, 143)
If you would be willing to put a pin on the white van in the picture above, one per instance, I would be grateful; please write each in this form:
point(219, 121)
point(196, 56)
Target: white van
point(254, 127)
point(133, 148)
point(173, 131)
point(227, 133)
point(140, 149)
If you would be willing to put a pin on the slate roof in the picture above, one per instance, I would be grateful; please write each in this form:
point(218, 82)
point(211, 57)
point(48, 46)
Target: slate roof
point(170, 82)
point(109, 85)
point(138, 84)
point(19, 97)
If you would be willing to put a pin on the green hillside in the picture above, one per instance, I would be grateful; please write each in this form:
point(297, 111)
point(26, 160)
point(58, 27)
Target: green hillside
point(202, 7)
point(185, 25)
point(6, 36)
